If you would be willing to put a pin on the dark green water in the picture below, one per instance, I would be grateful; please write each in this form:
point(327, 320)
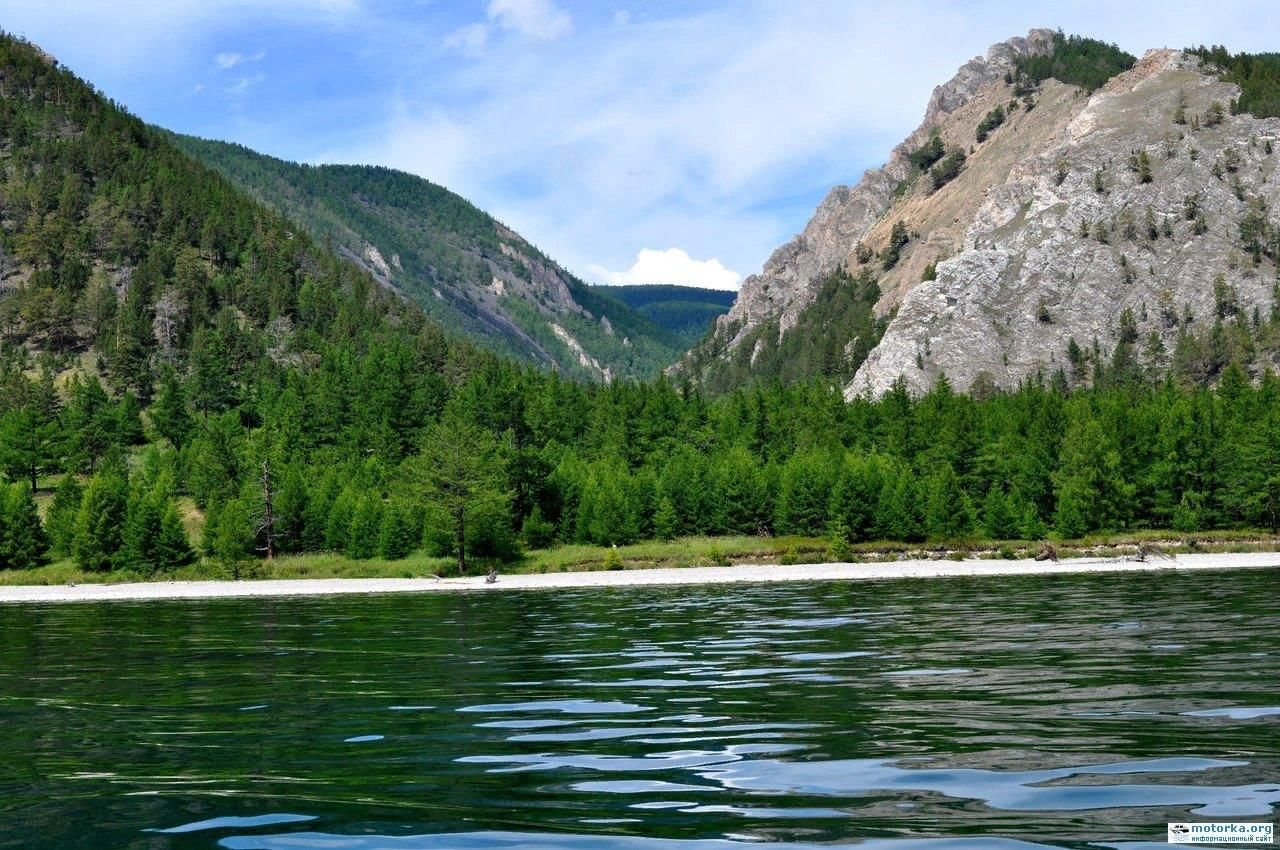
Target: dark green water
point(1060, 712)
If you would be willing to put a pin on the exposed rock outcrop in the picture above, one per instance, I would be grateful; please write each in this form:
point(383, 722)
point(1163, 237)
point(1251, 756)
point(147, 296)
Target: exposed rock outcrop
point(1085, 217)
point(1030, 280)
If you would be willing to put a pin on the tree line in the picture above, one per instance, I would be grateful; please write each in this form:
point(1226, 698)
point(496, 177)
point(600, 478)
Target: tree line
point(372, 456)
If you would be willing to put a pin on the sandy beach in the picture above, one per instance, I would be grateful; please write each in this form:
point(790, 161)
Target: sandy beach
point(742, 573)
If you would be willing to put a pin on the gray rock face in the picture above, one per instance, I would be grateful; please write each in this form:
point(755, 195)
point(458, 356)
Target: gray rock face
point(1029, 281)
point(1070, 215)
point(794, 273)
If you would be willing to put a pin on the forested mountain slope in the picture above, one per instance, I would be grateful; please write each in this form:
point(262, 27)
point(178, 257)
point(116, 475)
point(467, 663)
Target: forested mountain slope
point(687, 311)
point(465, 268)
point(1063, 208)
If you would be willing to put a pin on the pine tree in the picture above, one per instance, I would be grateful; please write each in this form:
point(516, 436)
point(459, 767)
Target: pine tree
point(128, 416)
point(1090, 491)
point(172, 546)
point(742, 492)
point(665, 520)
point(212, 387)
point(804, 494)
point(613, 520)
point(232, 537)
point(460, 473)
point(366, 527)
point(100, 520)
point(898, 515)
point(23, 543)
point(29, 445)
point(998, 519)
point(169, 412)
point(948, 514)
point(855, 496)
point(290, 510)
point(1030, 525)
point(141, 529)
point(337, 529)
point(90, 422)
point(60, 520)
point(401, 533)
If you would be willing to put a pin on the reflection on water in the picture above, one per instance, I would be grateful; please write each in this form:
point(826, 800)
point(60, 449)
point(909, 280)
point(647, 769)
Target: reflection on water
point(1018, 713)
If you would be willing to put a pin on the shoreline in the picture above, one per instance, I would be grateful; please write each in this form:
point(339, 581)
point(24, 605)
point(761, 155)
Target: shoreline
point(653, 577)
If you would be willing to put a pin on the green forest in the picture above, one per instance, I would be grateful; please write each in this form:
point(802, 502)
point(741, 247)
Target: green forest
point(186, 377)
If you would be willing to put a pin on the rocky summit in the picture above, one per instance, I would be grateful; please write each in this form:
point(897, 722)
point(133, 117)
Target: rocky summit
point(1030, 224)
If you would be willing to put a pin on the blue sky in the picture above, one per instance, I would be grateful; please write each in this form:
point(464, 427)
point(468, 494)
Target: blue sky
point(633, 141)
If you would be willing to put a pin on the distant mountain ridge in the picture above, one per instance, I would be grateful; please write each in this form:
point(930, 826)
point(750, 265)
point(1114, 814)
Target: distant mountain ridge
point(465, 268)
point(686, 311)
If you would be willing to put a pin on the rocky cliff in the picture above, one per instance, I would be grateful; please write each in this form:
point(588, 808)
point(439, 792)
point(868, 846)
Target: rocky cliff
point(1121, 215)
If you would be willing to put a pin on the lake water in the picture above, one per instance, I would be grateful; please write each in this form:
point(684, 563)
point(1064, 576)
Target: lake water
point(965, 713)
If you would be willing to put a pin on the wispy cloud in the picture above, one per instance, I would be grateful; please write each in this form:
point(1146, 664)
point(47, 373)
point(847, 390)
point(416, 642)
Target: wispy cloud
point(225, 61)
point(468, 40)
point(243, 84)
point(540, 20)
point(531, 20)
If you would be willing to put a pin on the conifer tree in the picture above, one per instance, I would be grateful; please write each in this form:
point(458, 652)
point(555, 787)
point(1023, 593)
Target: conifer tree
point(30, 445)
point(665, 520)
point(366, 527)
point(172, 546)
point(290, 510)
point(100, 520)
point(613, 520)
point(60, 520)
point(337, 529)
point(401, 533)
point(232, 537)
point(90, 422)
point(460, 474)
point(804, 494)
point(141, 529)
point(948, 514)
point(898, 515)
point(128, 416)
point(169, 412)
point(23, 543)
point(999, 521)
point(854, 497)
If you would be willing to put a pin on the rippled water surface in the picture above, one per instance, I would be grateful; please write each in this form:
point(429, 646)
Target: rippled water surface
point(1002, 713)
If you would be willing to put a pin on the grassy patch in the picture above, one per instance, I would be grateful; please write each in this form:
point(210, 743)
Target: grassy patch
point(683, 552)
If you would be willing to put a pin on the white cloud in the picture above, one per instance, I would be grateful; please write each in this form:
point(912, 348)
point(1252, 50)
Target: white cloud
point(225, 61)
point(674, 265)
point(469, 40)
point(539, 20)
